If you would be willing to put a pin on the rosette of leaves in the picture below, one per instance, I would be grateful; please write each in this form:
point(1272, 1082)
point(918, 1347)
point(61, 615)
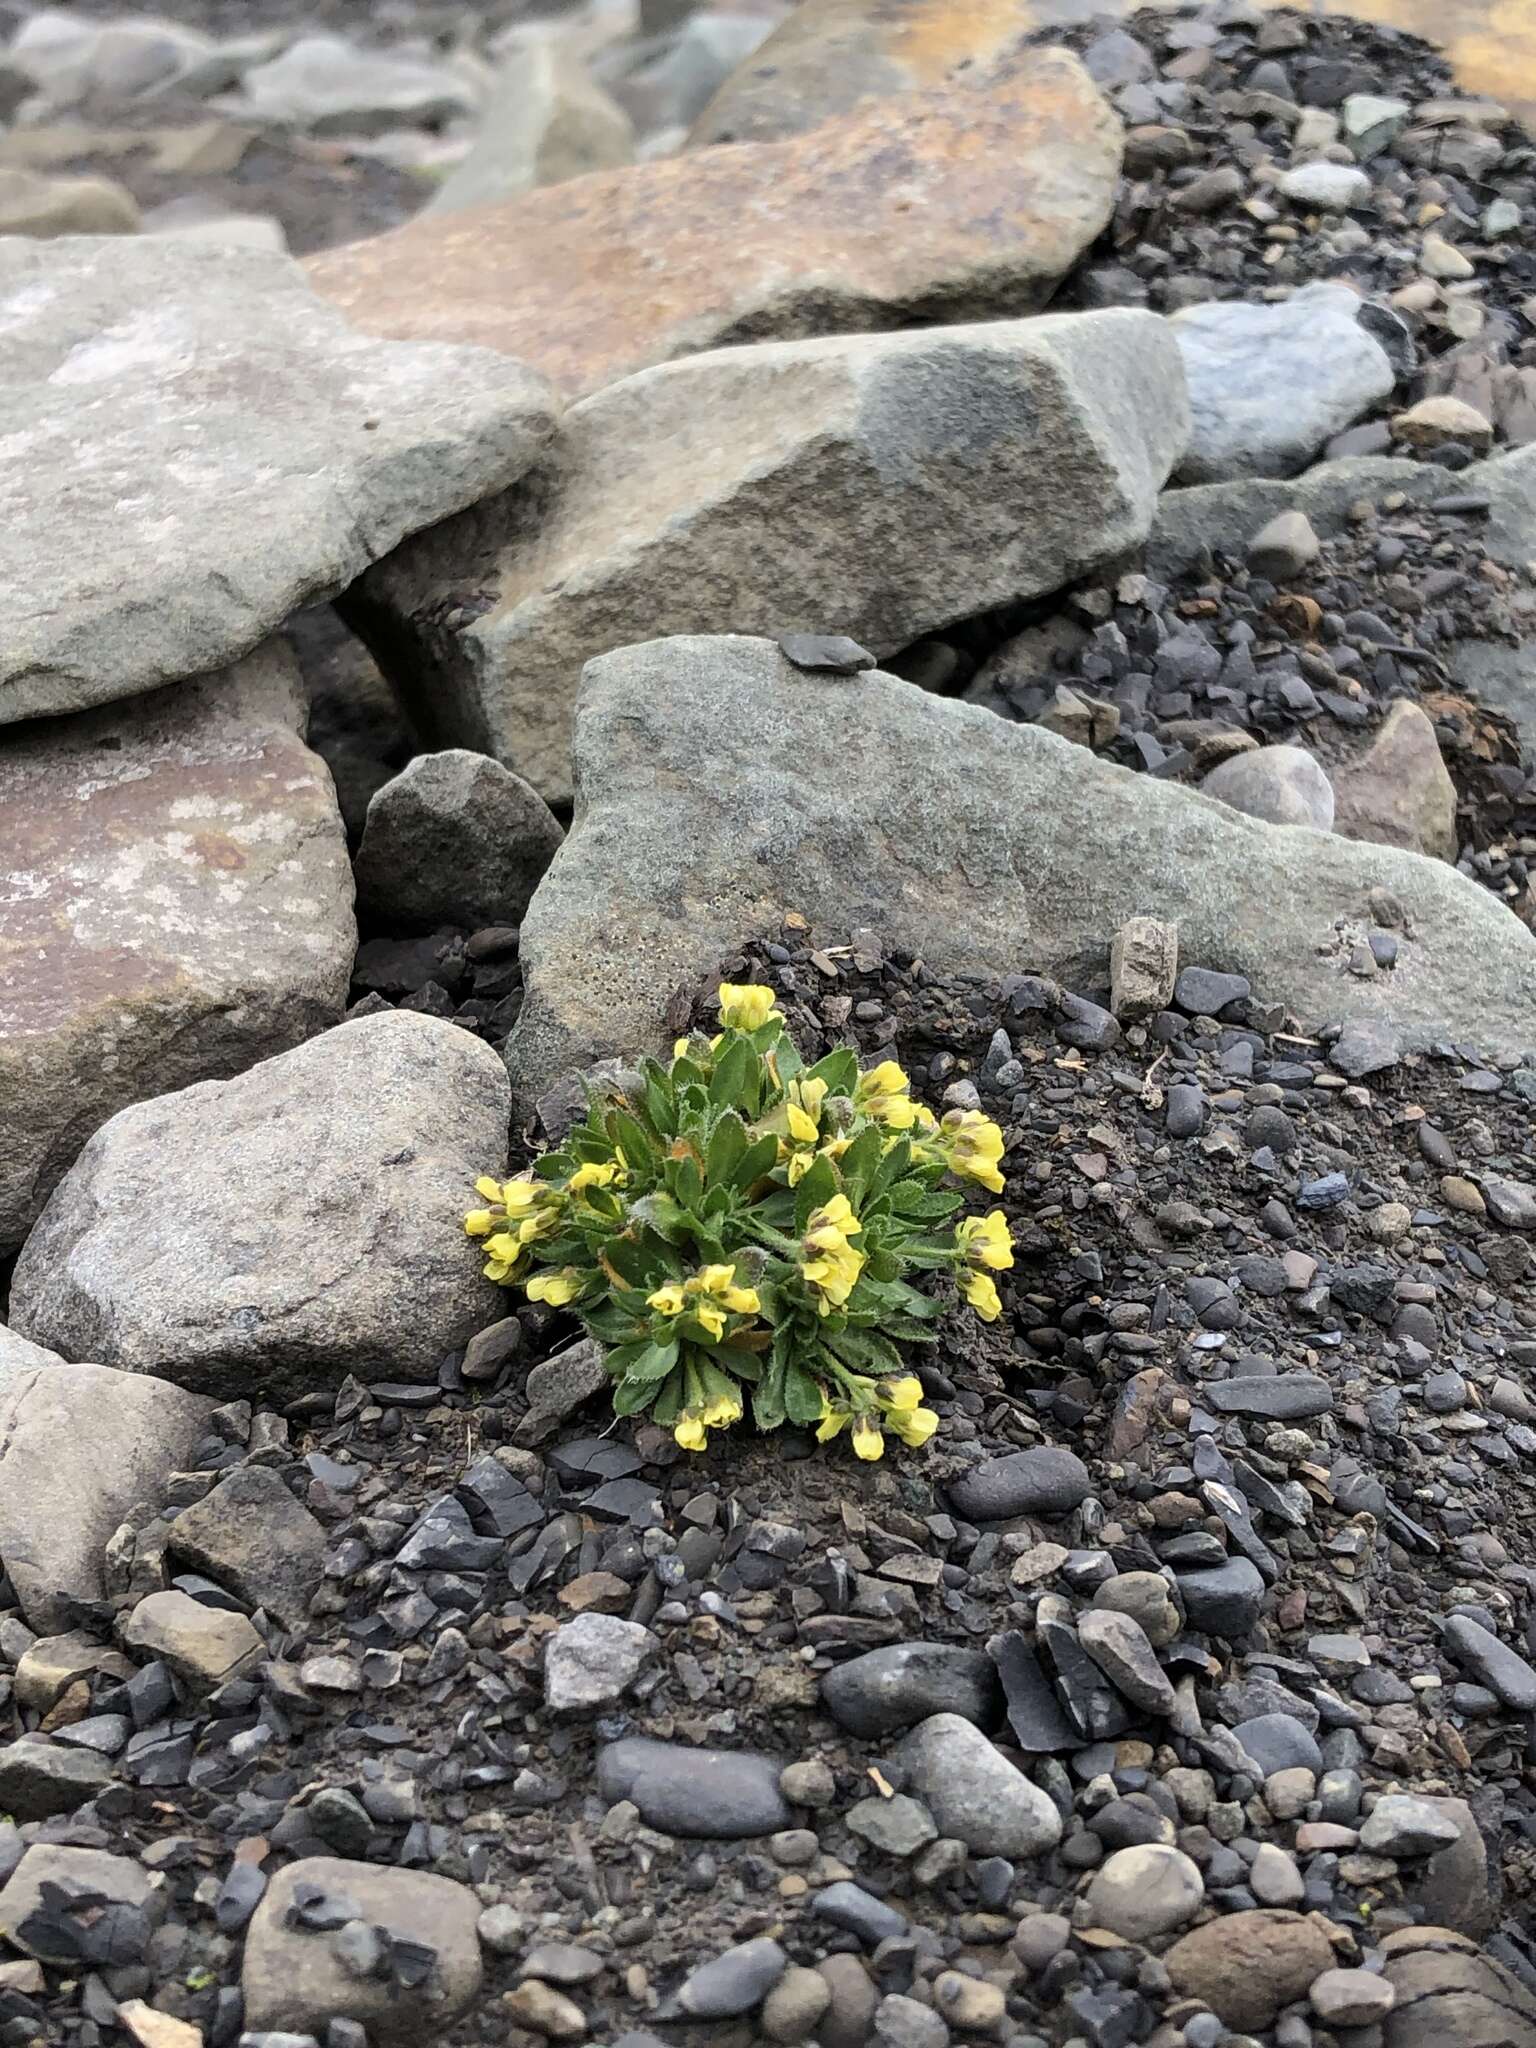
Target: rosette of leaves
point(744, 1228)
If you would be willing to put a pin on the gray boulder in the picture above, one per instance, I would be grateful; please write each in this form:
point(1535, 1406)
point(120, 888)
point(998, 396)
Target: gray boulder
point(186, 908)
point(1282, 785)
point(248, 452)
point(80, 1447)
point(983, 846)
point(455, 838)
point(876, 485)
point(268, 1235)
point(1269, 384)
point(122, 1879)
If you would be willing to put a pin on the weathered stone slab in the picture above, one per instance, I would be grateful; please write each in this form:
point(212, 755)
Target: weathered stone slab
point(719, 787)
point(80, 1446)
point(944, 206)
point(195, 445)
point(268, 1235)
point(175, 903)
point(874, 485)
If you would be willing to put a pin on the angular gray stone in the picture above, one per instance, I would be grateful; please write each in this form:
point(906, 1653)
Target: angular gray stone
point(727, 1794)
point(1332, 187)
point(1118, 1645)
point(1399, 792)
point(875, 485)
point(1400, 1825)
point(974, 1794)
point(1491, 1662)
point(270, 1234)
point(330, 86)
point(204, 1646)
point(122, 1879)
point(179, 907)
point(1012, 845)
point(248, 453)
point(33, 204)
point(1281, 785)
point(1283, 547)
point(1143, 966)
point(1452, 1994)
point(453, 839)
point(591, 1662)
point(80, 1447)
point(1269, 384)
point(39, 1778)
point(249, 1533)
point(292, 1980)
point(545, 120)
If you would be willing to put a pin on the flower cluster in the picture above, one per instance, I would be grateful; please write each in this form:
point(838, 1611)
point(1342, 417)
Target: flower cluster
point(742, 1226)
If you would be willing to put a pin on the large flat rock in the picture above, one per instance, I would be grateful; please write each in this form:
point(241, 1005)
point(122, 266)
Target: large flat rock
point(80, 1447)
point(828, 53)
point(260, 1237)
point(195, 445)
point(950, 205)
point(828, 56)
point(718, 787)
point(876, 485)
point(175, 903)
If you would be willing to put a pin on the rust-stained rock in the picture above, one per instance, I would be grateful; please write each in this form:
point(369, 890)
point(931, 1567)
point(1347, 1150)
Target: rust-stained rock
point(175, 903)
point(1399, 792)
point(952, 205)
point(830, 55)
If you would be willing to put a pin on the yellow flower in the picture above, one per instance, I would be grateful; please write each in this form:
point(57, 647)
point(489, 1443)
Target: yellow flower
point(504, 1246)
point(491, 1189)
point(596, 1174)
point(669, 1300)
point(986, 1241)
point(980, 1290)
point(520, 1196)
point(836, 1215)
point(499, 1270)
point(555, 1288)
point(885, 1094)
point(689, 1435)
point(722, 1411)
point(720, 1281)
point(833, 1421)
point(868, 1443)
point(973, 1145)
point(679, 1048)
point(479, 1223)
point(746, 1006)
point(710, 1319)
point(803, 1129)
point(901, 1395)
point(913, 1425)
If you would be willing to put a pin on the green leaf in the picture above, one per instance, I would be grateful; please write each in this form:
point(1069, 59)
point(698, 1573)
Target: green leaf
point(631, 1396)
point(669, 1401)
point(802, 1395)
point(660, 1100)
point(653, 1362)
point(814, 1192)
point(768, 1394)
point(758, 1159)
point(632, 1139)
point(910, 1198)
point(728, 1081)
point(866, 1351)
point(727, 1144)
point(839, 1069)
point(859, 1162)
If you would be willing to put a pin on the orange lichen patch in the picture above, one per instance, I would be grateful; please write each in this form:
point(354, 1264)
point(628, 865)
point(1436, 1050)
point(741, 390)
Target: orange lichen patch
point(951, 205)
